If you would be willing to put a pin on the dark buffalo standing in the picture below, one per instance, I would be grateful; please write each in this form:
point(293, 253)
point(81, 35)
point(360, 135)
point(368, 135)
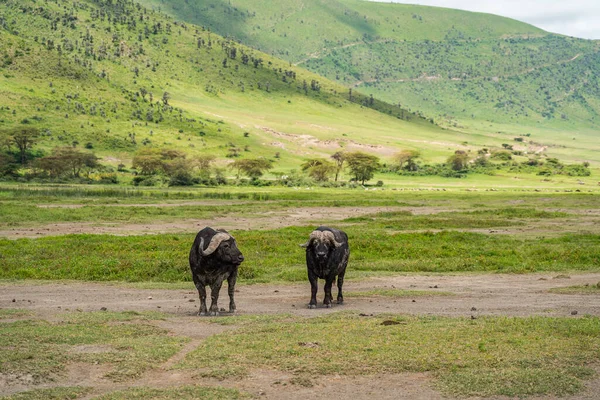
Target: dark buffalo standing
point(214, 257)
point(326, 257)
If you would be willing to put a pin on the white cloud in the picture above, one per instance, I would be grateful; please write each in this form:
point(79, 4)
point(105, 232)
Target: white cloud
point(580, 18)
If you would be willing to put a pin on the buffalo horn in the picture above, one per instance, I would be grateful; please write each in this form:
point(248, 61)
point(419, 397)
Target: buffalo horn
point(322, 236)
point(214, 243)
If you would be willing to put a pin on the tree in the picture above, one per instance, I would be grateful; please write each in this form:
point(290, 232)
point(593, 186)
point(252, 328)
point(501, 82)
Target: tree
point(339, 158)
point(203, 162)
point(458, 161)
point(165, 98)
point(318, 168)
point(148, 161)
point(24, 139)
point(362, 166)
point(406, 159)
point(67, 161)
point(252, 168)
point(153, 161)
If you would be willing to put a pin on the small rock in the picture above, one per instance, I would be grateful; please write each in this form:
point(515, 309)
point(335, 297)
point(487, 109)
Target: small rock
point(149, 297)
point(158, 307)
point(192, 300)
point(473, 309)
point(261, 392)
point(363, 315)
point(14, 300)
point(473, 317)
point(293, 305)
point(435, 286)
point(276, 291)
point(223, 310)
point(574, 312)
point(103, 309)
point(414, 301)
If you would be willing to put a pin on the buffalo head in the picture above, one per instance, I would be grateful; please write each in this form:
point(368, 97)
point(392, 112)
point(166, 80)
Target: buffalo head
point(223, 246)
point(322, 244)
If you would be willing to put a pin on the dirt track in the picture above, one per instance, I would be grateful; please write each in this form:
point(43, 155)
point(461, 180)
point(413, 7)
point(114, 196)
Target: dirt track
point(476, 295)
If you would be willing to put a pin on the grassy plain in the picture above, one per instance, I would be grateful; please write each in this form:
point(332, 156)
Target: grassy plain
point(515, 357)
point(409, 231)
point(403, 231)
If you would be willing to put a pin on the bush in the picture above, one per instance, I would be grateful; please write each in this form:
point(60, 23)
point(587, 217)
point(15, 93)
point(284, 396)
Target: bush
point(108, 179)
point(145, 180)
point(181, 178)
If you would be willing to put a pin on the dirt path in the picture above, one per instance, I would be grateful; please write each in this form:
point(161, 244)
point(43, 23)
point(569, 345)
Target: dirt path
point(472, 296)
point(264, 220)
point(490, 294)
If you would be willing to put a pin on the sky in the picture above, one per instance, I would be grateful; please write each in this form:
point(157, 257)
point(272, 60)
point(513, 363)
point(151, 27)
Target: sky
point(579, 18)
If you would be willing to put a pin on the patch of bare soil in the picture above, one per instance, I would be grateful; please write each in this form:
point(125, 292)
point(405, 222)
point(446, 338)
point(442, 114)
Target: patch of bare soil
point(473, 296)
point(264, 220)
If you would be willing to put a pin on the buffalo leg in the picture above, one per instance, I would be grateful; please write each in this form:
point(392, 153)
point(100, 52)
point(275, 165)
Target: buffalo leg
point(314, 286)
point(215, 288)
point(202, 294)
point(231, 290)
point(328, 297)
point(340, 283)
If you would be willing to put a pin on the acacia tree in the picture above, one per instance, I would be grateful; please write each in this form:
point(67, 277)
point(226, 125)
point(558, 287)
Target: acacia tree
point(252, 168)
point(406, 159)
point(362, 166)
point(67, 161)
point(458, 161)
point(24, 138)
point(318, 168)
point(152, 161)
point(339, 158)
point(203, 162)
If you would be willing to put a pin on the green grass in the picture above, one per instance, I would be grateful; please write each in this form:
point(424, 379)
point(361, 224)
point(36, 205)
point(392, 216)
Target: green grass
point(593, 289)
point(8, 313)
point(181, 392)
point(483, 357)
point(453, 238)
point(125, 341)
point(274, 255)
point(57, 393)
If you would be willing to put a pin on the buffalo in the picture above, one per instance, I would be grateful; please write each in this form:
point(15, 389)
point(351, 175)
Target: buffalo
point(214, 257)
point(327, 254)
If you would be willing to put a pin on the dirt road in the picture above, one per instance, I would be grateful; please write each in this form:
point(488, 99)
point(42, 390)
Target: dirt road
point(471, 296)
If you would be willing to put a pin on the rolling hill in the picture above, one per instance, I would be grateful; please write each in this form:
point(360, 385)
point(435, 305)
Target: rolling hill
point(116, 77)
point(469, 71)
point(120, 77)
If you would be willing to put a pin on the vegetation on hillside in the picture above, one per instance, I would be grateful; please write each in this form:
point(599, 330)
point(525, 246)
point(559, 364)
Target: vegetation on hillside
point(452, 66)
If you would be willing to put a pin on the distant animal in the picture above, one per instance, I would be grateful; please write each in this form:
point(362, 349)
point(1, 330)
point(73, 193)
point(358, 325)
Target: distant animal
point(214, 257)
point(327, 254)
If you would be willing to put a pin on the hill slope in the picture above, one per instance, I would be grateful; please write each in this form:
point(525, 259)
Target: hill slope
point(119, 77)
point(116, 77)
point(462, 69)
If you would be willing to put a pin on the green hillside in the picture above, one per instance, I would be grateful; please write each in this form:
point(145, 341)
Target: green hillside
point(464, 70)
point(95, 73)
point(114, 78)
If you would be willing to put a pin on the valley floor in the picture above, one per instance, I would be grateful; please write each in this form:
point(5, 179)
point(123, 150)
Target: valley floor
point(471, 296)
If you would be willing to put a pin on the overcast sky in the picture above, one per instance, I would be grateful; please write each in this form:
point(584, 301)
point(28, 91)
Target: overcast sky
point(580, 18)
